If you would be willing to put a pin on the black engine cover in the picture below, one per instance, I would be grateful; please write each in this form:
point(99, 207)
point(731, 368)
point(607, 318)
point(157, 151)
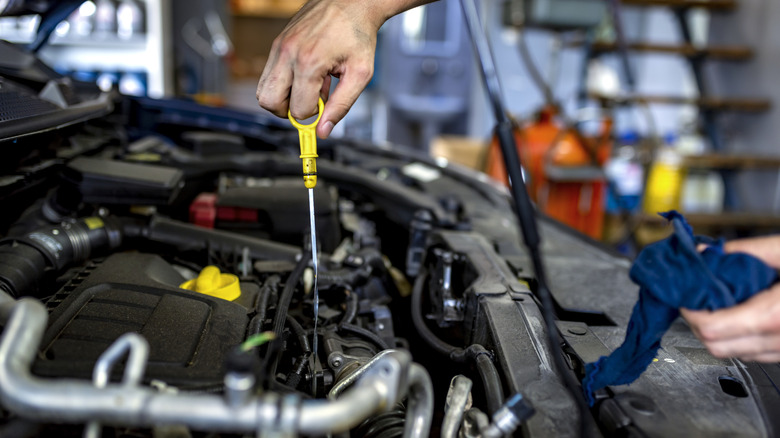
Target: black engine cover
point(189, 333)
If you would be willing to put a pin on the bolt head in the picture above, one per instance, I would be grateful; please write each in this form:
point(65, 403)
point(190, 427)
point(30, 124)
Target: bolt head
point(578, 331)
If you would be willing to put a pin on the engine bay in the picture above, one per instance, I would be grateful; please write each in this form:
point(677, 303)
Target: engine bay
point(156, 265)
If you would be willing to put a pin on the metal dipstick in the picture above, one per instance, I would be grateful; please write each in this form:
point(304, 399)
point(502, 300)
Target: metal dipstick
point(307, 135)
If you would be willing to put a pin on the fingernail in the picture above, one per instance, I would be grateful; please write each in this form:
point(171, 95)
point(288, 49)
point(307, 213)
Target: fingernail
point(326, 128)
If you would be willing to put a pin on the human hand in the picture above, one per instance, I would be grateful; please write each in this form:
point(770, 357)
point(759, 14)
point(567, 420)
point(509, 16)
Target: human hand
point(765, 248)
point(324, 39)
point(750, 330)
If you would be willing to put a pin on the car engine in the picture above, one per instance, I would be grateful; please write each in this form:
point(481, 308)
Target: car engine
point(157, 282)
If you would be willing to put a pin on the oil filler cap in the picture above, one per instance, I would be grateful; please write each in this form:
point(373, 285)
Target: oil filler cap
point(212, 282)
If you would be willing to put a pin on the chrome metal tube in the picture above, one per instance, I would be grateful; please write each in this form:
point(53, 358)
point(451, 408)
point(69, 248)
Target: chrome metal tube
point(7, 303)
point(73, 401)
point(420, 410)
point(457, 403)
point(341, 386)
point(345, 413)
point(5, 298)
point(137, 350)
point(474, 422)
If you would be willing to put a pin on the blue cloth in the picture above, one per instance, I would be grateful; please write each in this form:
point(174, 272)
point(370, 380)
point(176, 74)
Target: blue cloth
point(672, 274)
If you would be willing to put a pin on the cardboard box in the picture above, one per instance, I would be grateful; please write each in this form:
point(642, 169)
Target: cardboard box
point(469, 152)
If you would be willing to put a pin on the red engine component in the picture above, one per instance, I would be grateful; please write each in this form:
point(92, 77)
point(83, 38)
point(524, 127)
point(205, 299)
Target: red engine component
point(205, 212)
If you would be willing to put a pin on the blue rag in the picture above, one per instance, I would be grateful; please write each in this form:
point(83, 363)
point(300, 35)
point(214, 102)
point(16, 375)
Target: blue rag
point(673, 274)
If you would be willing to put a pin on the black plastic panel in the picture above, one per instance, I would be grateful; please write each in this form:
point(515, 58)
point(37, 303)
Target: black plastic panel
point(189, 333)
point(17, 103)
point(116, 182)
point(283, 207)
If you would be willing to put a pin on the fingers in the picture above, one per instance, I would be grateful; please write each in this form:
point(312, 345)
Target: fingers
point(766, 248)
point(273, 88)
point(765, 357)
point(273, 95)
point(746, 346)
point(325, 90)
point(303, 98)
point(750, 330)
point(324, 39)
point(351, 83)
point(309, 76)
point(279, 90)
point(723, 324)
point(292, 79)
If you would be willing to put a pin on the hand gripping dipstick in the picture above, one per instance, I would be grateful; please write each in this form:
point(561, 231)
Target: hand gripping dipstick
point(307, 135)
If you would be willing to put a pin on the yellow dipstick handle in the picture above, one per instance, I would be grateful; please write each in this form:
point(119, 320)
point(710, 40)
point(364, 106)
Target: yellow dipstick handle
point(308, 138)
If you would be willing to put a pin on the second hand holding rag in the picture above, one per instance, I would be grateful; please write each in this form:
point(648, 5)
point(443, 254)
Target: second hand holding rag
point(672, 274)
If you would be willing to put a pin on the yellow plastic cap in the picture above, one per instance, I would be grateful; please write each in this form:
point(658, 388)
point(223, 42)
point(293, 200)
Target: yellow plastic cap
point(212, 282)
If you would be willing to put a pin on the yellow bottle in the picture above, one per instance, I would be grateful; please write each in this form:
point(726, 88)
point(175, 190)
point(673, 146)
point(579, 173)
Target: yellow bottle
point(664, 182)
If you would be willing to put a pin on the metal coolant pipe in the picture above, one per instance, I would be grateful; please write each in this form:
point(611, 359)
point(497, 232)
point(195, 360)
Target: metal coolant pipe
point(419, 409)
point(420, 403)
point(74, 401)
point(458, 400)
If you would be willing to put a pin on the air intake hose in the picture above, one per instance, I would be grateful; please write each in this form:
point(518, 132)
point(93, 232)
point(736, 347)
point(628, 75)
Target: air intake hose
point(28, 259)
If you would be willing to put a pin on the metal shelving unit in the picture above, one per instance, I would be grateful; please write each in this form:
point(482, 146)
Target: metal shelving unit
point(710, 107)
point(149, 53)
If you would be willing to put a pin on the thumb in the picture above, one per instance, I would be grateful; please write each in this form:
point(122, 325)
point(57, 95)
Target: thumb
point(352, 82)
